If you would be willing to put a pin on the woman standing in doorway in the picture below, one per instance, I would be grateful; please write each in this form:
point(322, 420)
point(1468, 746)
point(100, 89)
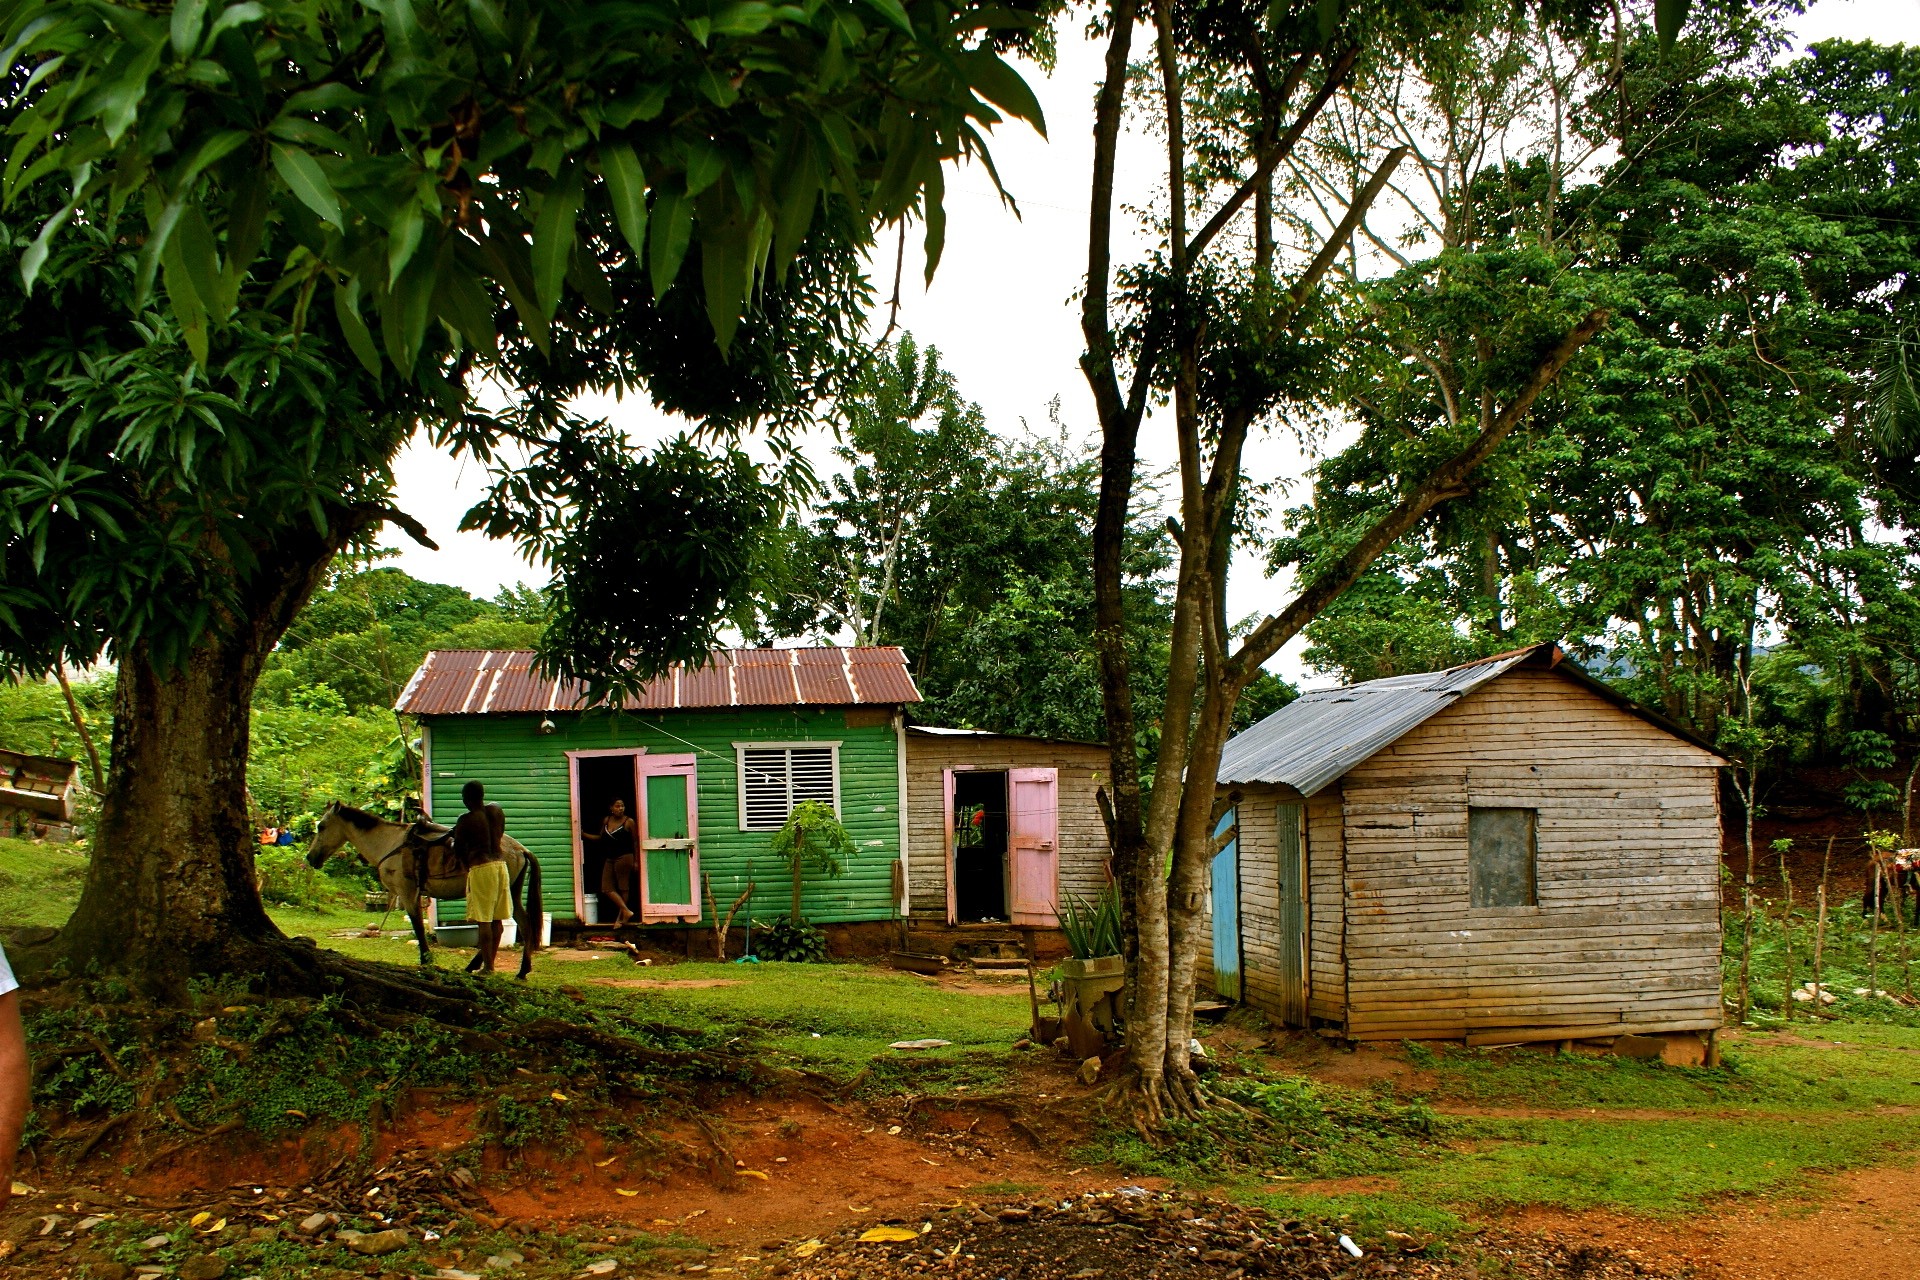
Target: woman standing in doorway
point(618, 858)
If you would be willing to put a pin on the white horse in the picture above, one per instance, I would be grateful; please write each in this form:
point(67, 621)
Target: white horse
point(397, 852)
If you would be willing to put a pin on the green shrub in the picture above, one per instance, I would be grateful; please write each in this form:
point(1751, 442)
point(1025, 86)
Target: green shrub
point(788, 939)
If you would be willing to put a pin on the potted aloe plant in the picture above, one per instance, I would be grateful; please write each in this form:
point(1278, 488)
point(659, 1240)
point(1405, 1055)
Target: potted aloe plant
point(1093, 971)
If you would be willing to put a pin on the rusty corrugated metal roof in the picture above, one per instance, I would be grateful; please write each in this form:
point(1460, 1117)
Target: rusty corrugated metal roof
point(455, 682)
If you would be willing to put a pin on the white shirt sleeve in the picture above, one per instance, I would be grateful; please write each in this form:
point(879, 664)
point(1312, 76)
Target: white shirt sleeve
point(7, 981)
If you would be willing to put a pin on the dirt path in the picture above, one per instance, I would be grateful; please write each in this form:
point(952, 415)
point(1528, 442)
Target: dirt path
point(1864, 1224)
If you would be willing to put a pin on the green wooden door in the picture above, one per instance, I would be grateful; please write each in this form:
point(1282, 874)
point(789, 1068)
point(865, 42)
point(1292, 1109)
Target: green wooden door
point(670, 859)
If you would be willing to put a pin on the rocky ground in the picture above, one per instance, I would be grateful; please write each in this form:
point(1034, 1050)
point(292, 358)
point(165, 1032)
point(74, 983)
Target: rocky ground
point(418, 1219)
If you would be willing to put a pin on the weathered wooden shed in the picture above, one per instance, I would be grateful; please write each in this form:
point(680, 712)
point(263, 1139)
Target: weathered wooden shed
point(1502, 852)
point(1000, 829)
point(710, 760)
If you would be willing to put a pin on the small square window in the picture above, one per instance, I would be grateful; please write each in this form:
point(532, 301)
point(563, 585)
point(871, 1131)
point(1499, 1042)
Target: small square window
point(1501, 857)
point(773, 779)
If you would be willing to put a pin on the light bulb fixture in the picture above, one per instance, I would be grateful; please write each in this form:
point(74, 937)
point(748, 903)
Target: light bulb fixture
point(547, 726)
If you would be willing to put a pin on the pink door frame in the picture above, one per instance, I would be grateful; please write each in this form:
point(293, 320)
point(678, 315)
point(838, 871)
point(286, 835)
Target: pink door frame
point(654, 766)
point(1052, 841)
point(573, 807)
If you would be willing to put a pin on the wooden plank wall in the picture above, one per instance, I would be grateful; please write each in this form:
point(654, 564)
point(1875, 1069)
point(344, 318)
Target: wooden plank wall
point(1326, 906)
point(1259, 899)
point(1626, 935)
point(1082, 770)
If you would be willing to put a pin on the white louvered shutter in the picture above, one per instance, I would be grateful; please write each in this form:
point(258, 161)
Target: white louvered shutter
point(775, 779)
point(811, 769)
point(768, 790)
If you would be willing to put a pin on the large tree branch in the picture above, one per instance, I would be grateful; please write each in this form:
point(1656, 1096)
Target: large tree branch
point(1342, 234)
point(1270, 159)
point(1096, 325)
point(1446, 482)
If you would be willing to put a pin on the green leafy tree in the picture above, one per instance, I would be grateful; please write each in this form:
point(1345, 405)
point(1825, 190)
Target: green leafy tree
point(1235, 342)
point(696, 187)
point(812, 839)
point(968, 549)
point(366, 631)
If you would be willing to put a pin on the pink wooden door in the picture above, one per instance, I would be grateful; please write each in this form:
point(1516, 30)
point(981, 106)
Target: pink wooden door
point(1033, 845)
point(669, 838)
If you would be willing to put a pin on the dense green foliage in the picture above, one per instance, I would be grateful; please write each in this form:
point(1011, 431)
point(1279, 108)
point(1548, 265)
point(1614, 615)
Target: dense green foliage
point(436, 156)
point(366, 631)
point(968, 549)
point(1717, 515)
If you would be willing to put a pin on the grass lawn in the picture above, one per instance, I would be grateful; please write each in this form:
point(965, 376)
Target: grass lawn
point(1513, 1128)
point(833, 1018)
point(39, 882)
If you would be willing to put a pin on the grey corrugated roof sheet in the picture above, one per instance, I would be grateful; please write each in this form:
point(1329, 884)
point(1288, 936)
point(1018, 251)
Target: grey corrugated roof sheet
point(1319, 736)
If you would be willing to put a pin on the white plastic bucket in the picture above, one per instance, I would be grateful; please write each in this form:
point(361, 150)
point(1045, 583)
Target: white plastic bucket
point(590, 912)
point(510, 931)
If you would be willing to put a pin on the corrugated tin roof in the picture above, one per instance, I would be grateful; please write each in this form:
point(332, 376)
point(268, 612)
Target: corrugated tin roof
point(453, 682)
point(1319, 736)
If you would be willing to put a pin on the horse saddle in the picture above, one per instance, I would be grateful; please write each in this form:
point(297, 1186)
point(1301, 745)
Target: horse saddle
point(433, 846)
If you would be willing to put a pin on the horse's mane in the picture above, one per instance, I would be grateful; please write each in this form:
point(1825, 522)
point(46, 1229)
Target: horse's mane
point(360, 818)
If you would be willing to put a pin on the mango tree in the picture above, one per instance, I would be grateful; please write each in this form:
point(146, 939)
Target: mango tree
point(260, 244)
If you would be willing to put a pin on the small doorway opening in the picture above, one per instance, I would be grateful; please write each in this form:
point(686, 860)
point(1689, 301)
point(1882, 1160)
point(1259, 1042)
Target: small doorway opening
point(602, 780)
point(980, 847)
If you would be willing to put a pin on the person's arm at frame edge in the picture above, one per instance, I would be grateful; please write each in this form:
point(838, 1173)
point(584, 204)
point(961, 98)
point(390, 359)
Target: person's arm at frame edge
point(16, 1089)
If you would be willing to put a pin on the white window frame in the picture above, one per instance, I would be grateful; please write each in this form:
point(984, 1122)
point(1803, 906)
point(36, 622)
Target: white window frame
point(740, 750)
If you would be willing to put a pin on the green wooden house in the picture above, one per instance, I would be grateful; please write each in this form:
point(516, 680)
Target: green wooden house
point(709, 761)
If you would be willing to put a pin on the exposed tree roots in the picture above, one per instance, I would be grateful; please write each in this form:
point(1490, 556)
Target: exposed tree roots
point(144, 1073)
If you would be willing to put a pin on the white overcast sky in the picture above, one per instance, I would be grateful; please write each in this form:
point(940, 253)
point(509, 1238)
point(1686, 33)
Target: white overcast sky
point(1001, 310)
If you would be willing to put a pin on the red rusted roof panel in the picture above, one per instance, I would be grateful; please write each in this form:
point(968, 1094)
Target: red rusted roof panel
point(764, 678)
point(821, 675)
point(656, 694)
point(503, 681)
point(881, 675)
point(708, 686)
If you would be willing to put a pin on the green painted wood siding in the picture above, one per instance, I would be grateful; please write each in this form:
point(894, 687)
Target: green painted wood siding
point(525, 772)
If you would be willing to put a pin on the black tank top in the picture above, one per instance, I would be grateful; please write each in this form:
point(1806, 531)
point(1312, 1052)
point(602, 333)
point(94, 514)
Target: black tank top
point(619, 841)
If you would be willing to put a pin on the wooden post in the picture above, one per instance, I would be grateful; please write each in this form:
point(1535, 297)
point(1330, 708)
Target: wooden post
point(1786, 931)
point(1900, 922)
point(1873, 933)
point(1820, 932)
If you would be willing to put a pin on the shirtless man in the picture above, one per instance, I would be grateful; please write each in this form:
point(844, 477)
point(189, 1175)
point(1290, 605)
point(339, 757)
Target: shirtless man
point(476, 843)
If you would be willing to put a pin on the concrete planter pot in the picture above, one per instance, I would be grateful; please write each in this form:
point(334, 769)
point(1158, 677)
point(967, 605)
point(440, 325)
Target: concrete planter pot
point(1087, 991)
point(1093, 967)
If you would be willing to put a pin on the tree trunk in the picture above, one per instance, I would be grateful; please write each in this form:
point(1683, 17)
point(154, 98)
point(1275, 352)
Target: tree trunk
point(171, 889)
point(171, 883)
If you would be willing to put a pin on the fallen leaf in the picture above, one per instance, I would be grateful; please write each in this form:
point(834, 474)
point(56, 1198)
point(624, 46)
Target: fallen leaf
point(807, 1248)
point(198, 1218)
point(216, 1227)
point(859, 1208)
point(623, 1191)
point(601, 1164)
point(883, 1235)
point(753, 1173)
point(22, 1189)
point(558, 1096)
point(292, 1112)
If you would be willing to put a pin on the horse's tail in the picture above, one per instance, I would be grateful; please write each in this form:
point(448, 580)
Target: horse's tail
point(536, 903)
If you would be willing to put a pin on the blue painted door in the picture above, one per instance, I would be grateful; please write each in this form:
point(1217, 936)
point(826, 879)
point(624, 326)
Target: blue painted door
point(1226, 912)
